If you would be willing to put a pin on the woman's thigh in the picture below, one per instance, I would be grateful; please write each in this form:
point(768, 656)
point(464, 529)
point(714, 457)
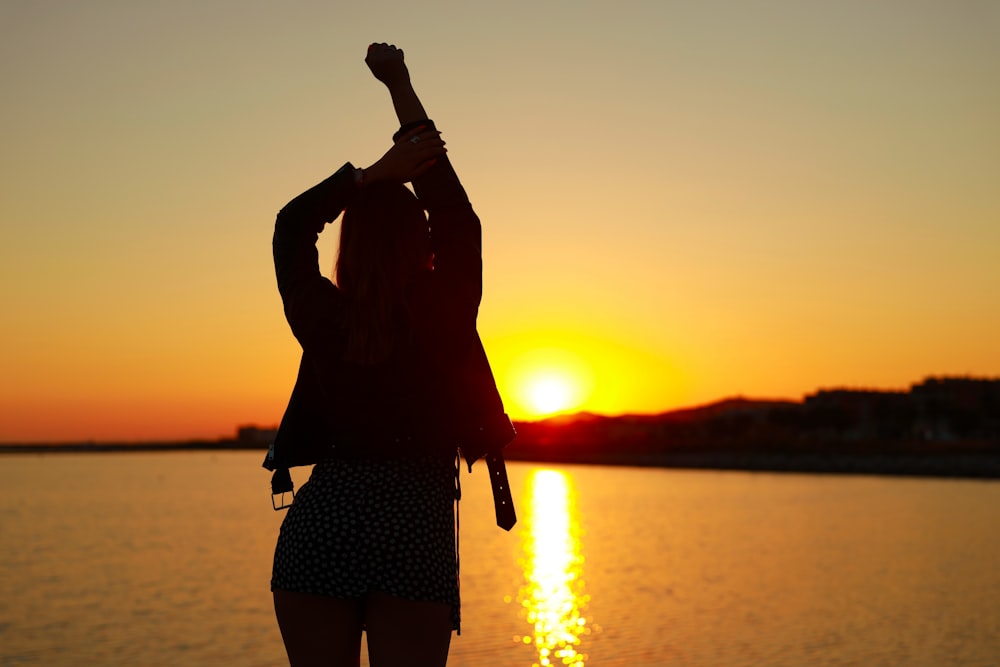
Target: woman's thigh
point(407, 632)
point(319, 630)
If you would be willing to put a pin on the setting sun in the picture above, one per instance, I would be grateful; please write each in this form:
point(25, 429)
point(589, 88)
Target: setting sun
point(549, 394)
point(543, 381)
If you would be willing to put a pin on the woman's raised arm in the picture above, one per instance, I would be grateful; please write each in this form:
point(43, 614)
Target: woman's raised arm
point(386, 63)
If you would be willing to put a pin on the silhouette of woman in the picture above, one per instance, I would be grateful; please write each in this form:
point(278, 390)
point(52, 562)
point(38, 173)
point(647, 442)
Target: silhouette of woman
point(393, 380)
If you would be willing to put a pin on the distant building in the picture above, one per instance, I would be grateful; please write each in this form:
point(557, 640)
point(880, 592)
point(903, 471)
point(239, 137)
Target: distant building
point(254, 435)
point(963, 393)
point(956, 408)
point(945, 409)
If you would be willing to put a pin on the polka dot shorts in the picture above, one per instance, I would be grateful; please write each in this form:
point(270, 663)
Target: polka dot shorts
point(361, 526)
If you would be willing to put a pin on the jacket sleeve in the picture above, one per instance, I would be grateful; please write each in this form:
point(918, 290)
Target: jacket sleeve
point(456, 239)
point(310, 300)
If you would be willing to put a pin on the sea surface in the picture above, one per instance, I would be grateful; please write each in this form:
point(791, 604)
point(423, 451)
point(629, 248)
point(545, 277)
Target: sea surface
point(164, 559)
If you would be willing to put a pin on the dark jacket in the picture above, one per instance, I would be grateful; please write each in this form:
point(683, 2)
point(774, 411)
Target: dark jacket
point(436, 393)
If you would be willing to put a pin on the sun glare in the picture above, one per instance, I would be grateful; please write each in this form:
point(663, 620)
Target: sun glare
point(547, 381)
point(549, 394)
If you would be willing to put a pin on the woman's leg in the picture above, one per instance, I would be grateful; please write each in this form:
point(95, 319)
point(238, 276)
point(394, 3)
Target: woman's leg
point(319, 630)
point(407, 632)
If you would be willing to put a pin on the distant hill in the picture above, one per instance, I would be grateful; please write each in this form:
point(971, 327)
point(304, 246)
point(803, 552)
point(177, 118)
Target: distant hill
point(941, 426)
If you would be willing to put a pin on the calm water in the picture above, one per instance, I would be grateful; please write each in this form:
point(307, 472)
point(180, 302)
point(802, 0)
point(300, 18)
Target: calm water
point(164, 559)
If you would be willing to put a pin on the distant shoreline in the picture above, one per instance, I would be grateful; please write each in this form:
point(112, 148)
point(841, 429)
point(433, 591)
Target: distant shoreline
point(966, 465)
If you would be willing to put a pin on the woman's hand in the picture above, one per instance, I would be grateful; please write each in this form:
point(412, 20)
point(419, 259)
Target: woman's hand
point(386, 63)
point(414, 153)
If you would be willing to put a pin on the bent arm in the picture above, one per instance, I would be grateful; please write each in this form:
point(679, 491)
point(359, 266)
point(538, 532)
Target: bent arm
point(456, 236)
point(305, 293)
point(456, 233)
point(456, 241)
point(438, 187)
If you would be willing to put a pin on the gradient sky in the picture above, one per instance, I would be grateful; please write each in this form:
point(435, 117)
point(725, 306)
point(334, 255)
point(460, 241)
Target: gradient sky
point(681, 201)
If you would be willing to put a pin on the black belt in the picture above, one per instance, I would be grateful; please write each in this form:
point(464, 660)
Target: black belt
point(502, 501)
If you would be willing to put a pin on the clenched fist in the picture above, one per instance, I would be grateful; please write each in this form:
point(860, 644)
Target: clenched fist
point(386, 63)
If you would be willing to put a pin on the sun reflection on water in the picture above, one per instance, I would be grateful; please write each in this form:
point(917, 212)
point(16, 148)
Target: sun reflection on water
point(553, 598)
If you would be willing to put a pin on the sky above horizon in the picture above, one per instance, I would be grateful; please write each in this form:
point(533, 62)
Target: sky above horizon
point(681, 201)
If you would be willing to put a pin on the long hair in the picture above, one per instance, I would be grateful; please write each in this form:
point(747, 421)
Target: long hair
point(383, 245)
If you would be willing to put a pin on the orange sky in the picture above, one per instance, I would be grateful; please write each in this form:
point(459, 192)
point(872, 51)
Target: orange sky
point(681, 201)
